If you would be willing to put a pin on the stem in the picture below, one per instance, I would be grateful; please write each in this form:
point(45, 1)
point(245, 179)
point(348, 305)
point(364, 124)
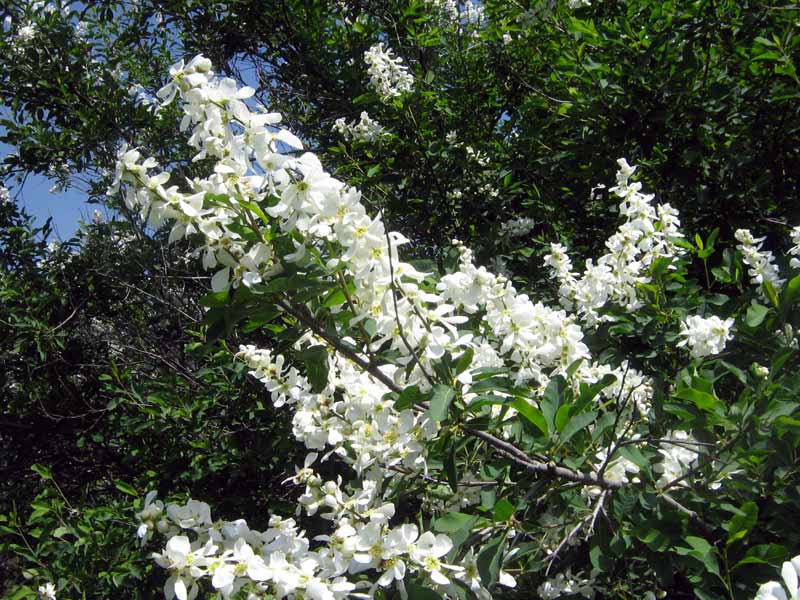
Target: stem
point(413, 354)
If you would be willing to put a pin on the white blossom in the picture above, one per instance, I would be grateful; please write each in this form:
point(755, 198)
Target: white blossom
point(773, 590)
point(761, 263)
point(388, 76)
point(794, 252)
point(365, 129)
point(705, 336)
point(47, 591)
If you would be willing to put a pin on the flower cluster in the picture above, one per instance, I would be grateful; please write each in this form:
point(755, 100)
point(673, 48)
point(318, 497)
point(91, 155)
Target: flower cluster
point(350, 414)
point(575, 4)
point(467, 15)
point(366, 129)
point(446, 7)
point(679, 455)
point(281, 560)
point(705, 336)
point(794, 251)
point(761, 263)
point(351, 407)
point(47, 591)
point(268, 209)
point(517, 227)
point(645, 236)
point(388, 76)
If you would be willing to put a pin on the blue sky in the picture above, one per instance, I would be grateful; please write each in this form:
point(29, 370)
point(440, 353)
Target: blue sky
point(66, 208)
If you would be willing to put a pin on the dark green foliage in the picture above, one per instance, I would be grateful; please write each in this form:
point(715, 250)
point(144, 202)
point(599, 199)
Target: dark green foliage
point(107, 382)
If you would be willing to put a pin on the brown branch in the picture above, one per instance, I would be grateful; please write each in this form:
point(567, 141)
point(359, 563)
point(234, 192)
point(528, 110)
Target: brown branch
point(312, 324)
point(550, 469)
point(693, 516)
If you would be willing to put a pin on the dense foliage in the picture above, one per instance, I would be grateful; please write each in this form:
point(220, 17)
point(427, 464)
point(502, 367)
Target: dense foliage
point(640, 439)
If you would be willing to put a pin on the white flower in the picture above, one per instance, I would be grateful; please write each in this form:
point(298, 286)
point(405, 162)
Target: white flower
point(81, 29)
point(517, 227)
point(366, 129)
point(794, 252)
point(773, 590)
point(677, 458)
point(567, 584)
point(388, 76)
point(149, 516)
point(705, 336)
point(645, 236)
point(26, 33)
point(47, 591)
point(761, 263)
point(427, 552)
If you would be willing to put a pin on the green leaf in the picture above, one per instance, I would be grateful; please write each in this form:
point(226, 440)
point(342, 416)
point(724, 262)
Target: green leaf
point(44, 472)
point(741, 524)
point(703, 400)
point(735, 371)
point(450, 469)
point(335, 298)
point(439, 404)
point(755, 315)
point(769, 290)
point(503, 510)
point(490, 559)
point(60, 532)
point(789, 296)
point(573, 368)
point(562, 417)
point(215, 299)
point(763, 554)
point(588, 392)
point(551, 400)
point(576, 424)
point(778, 361)
point(530, 413)
point(124, 487)
point(712, 238)
point(22, 592)
point(702, 551)
point(464, 361)
point(453, 521)
point(417, 592)
point(490, 384)
point(315, 360)
point(408, 397)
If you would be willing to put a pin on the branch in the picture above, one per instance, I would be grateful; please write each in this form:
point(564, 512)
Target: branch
point(590, 518)
point(693, 516)
point(314, 325)
point(550, 469)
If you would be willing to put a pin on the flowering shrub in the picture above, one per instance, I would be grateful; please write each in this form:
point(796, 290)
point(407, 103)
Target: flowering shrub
point(407, 378)
point(697, 364)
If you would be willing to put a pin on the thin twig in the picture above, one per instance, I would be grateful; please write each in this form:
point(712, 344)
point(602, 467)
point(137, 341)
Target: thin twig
point(411, 351)
point(590, 518)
